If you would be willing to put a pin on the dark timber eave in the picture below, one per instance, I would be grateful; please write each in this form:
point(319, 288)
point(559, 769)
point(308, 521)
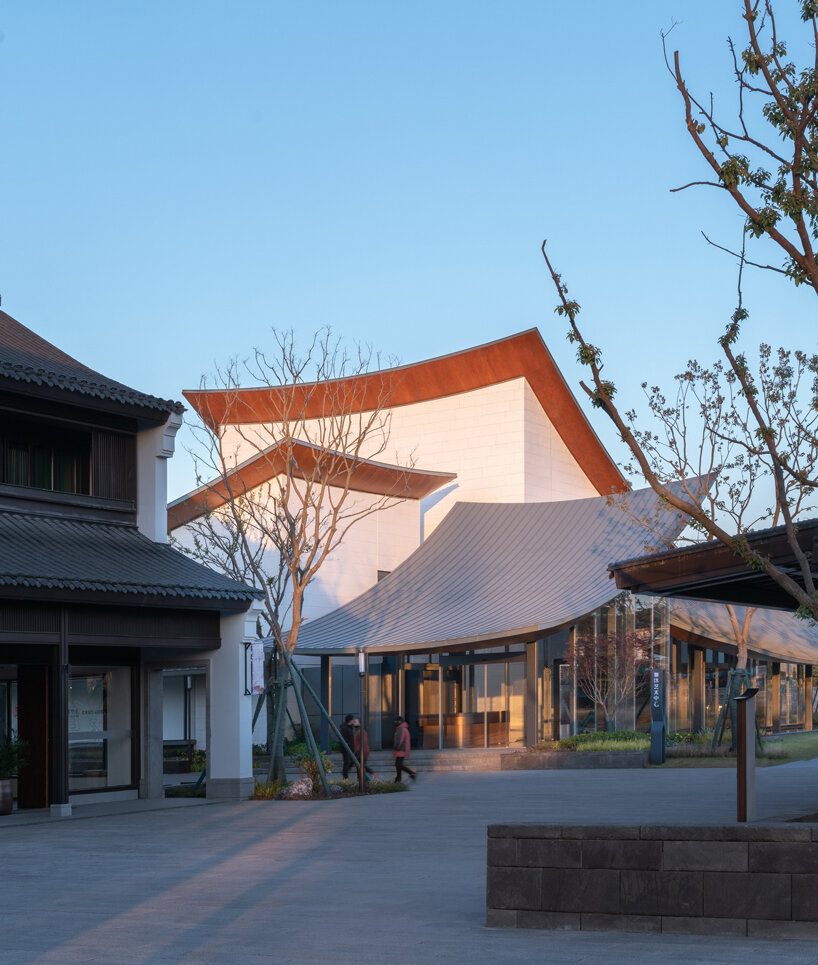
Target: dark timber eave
point(712, 571)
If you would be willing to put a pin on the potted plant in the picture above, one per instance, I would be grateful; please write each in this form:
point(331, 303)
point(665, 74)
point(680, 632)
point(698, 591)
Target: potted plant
point(12, 758)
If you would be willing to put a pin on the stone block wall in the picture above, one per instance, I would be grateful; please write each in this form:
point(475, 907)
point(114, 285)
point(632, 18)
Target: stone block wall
point(754, 880)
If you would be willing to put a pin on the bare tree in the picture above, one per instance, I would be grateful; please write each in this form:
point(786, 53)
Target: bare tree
point(607, 666)
point(277, 466)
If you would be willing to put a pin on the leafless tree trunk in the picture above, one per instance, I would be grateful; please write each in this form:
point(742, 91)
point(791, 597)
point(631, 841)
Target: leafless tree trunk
point(608, 665)
point(277, 469)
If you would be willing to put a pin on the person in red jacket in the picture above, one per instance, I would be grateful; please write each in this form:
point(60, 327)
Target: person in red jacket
point(401, 746)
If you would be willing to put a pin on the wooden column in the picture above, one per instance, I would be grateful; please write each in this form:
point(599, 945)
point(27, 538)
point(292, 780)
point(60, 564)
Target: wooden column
point(697, 692)
point(32, 723)
point(555, 699)
point(530, 709)
point(326, 700)
point(60, 678)
point(807, 697)
point(775, 698)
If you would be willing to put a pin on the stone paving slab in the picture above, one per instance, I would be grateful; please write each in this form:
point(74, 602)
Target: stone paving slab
point(388, 879)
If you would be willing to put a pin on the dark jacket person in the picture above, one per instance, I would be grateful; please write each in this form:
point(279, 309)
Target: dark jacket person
point(401, 748)
point(349, 736)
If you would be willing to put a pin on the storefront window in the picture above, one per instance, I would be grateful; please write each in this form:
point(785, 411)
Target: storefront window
point(99, 728)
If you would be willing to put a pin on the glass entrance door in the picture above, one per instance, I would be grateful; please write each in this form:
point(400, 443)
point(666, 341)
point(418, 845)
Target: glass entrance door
point(100, 734)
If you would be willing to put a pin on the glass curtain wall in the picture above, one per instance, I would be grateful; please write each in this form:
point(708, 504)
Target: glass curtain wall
point(604, 684)
point(472, 699)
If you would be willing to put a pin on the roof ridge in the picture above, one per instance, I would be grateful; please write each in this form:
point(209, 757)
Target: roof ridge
point(31, 358)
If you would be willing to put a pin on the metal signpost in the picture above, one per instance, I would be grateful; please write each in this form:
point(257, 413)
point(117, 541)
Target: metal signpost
point(746, 756)
point(657, 717)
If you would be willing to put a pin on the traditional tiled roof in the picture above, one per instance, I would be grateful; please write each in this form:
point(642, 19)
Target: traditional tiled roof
point(494, 572)
point(58, 553)
point(26, 357)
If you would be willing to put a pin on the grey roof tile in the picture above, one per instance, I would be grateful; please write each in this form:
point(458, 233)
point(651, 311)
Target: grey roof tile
point(52, 552)
point(26, 357)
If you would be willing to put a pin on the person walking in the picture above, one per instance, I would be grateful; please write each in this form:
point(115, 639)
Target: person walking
point(348, 734)
point(401, 746)
point(356, 724)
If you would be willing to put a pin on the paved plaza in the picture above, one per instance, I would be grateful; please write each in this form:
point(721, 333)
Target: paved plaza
point(395, 879)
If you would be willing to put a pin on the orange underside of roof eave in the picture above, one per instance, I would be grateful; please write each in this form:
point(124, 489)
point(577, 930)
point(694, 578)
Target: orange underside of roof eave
point(373, 478)
point(519, 356)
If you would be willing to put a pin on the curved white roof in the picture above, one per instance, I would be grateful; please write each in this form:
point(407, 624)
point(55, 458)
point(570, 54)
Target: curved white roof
point(773, 633)
point(492, 572)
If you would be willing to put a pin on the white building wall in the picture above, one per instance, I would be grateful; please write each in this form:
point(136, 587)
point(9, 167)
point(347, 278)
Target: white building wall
point(498, 440)
point(153, 449)
point(379, 541)
point(551, 472)
point(230, 713)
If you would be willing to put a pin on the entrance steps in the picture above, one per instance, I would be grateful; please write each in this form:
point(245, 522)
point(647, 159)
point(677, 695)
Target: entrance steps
point(383, 764)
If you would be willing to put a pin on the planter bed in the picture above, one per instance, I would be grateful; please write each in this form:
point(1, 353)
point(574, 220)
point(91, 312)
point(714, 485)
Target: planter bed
point(572, 760)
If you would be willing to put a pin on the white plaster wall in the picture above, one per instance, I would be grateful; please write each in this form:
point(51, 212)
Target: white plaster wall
point(498, 440)
point(230, 714)
point(153, 449)
point(379, 541)
point(479, 435)
point(551, 472)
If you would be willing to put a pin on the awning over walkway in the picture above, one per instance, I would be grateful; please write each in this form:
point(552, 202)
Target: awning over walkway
point(712, 571)
point(773, 634)
point(495, 572)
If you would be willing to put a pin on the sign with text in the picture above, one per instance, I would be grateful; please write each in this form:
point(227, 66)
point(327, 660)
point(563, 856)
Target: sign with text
point(657, 696)
point(657, 717)
point(257, 667)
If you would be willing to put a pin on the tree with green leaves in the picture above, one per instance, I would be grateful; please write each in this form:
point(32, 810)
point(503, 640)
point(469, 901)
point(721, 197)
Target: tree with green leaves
point(743, 431)
point(771, 175)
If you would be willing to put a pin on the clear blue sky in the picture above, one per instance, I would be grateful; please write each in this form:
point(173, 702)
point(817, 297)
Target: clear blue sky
point(178, 177)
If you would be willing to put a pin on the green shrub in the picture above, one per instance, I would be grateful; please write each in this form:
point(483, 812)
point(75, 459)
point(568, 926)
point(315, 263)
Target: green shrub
point(12, 757)
point(302, 757)
point(605, 740)
point(267, 792)
point(198, 761)
point(688, 737)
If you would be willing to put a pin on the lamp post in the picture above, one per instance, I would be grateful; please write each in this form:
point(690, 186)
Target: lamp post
point(362, 753)
point(746, 756)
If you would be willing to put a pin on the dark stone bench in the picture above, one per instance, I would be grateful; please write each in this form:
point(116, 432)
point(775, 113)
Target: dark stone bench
point(756, 880)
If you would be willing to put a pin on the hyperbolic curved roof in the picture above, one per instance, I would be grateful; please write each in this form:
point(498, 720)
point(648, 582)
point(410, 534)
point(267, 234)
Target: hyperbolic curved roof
point(494, 572)
point(519, 356)
point(773, 633)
